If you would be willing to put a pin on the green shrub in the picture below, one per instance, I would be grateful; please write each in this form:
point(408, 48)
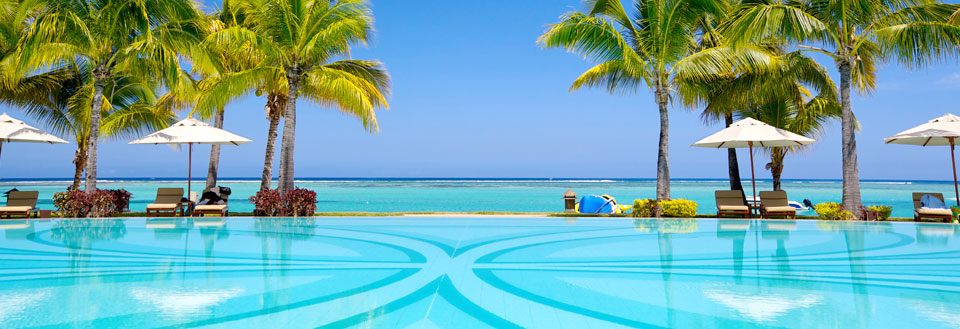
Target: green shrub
point(645, 208)
point(883, 210)
point(682, 208)
point(667, 208)
point(832, 211)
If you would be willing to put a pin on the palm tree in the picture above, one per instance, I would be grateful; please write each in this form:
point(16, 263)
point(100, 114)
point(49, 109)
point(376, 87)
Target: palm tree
point(783, 98)
point(213, 60)
point(795, 93)
point(115, 38)
point(657, 48)
point(857, 35)
point(276, 103)
point(299, 41)
point(127, 109)
point(803, 118)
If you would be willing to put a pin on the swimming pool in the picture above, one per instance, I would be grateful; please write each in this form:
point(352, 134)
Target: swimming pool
point(403, 272)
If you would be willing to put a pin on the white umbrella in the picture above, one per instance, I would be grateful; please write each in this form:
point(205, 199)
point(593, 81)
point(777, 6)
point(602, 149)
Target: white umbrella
point(749, 133)
point(13, 130)
point(191, 131)
point(941, 131)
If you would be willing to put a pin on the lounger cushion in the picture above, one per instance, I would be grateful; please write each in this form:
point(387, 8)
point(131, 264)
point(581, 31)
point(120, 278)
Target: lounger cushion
point(935, 212)
point(733, 208)
point(781, 209)
point(162, 206)
point(16, 209)
point(210, 207)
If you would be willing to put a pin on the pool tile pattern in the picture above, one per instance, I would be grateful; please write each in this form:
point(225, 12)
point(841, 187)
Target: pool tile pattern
point(403, 272)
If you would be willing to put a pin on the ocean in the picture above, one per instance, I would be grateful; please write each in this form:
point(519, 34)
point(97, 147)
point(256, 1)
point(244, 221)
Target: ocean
point(511, 195)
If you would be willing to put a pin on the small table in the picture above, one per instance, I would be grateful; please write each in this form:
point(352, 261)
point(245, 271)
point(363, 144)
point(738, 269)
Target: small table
point(186, 208)
point(754, 209)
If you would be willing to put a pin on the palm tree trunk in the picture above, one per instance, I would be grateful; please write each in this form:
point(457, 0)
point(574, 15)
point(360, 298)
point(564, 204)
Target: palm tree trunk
point(94, 138)
point(289, 127)
point(79, 161)
point(733, 166)
point(776, 165)
point(851, 174)
point(274, 110)
point(214, 164)
point(663, 167)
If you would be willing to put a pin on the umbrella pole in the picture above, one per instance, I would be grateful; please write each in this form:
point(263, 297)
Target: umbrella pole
point(753, 179)
point(954, 162)
point(189, 168)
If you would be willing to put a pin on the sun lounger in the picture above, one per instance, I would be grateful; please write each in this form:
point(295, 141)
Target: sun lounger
point(213, 209)
point(775, 203)
point(167, 202)
point(919, 212)
point(731, 203)
point(20, 203)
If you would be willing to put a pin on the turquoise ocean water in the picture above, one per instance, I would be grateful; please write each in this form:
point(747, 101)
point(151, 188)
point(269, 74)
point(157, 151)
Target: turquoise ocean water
point(514, 195)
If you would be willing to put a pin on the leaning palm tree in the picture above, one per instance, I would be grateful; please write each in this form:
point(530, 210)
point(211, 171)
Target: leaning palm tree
point(300, 42)
point(134, 39)
point(656, 48)
point(858, 36)
point(127, 109)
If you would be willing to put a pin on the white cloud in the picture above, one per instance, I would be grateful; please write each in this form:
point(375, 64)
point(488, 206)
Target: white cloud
point(950, 80)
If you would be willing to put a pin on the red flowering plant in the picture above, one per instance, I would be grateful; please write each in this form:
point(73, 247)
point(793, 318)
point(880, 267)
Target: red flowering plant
point(73, 203)
point(101, 203)
point(267, 203)
point(300, 202)
point(121, 198)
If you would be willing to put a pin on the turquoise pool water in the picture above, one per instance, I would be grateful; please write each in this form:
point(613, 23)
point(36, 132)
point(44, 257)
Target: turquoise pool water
point(426, 272)
point(518, 195)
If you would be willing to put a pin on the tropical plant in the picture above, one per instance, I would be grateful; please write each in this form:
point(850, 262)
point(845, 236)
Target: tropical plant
point(833, 211)
point(140, 40)
point(646, 208)
point(858, 36)
point(658, 48)
point(300, 42)
point(883, 212)
point(276, 103)
point(796, 95)
point(300, 202)
point(678, 208)
point(214, 59)
point(267, 203)
point(64, 106)
point(101, 203)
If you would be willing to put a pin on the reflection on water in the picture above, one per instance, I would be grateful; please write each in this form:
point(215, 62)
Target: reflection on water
point(277, 236)
point(281, 272)
point(755, 296)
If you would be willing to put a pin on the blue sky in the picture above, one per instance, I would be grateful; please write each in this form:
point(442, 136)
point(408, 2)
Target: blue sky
point(475, 96)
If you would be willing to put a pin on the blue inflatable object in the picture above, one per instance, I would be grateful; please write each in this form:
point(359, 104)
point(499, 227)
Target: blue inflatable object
point(595, 204)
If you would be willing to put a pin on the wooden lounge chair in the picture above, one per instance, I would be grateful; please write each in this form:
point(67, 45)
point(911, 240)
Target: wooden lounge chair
point(213, 209)
point(20, 203)
point(775, 203)
point(167, 202)
point(920, 213)
point(731, 203)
